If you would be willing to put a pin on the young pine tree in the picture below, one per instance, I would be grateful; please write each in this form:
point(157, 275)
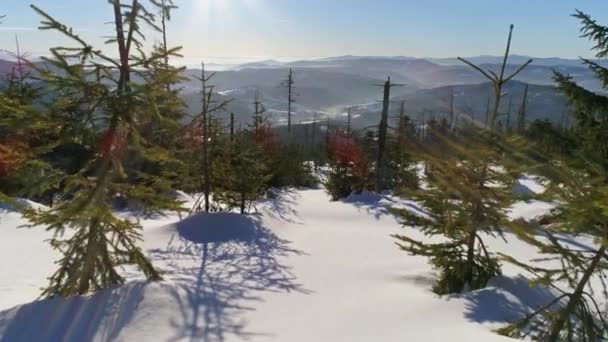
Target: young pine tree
point(98, 243)
point(579, 188)
point(465, 201)
point(244, 172)
point(25, 167)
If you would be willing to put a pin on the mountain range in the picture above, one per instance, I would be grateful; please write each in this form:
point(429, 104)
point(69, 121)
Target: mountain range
point(326, 87)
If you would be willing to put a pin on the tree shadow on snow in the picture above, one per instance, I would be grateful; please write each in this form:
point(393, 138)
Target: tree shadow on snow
point(380, 205)
point(216, 267)
point(221, 263)
point(506, 300)
point(73, 319)
point(281, 206)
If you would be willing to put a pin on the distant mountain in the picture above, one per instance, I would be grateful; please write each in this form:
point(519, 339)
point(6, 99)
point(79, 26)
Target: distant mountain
point(436, 72)
point(470, 102)
point(327, 86)
point(513, 59)
point(317, 91)
point(6, 67)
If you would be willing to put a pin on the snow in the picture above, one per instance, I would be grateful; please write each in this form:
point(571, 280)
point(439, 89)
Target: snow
point(529, 210)
point(529, 186)
point(26, 258)
point(302, 268)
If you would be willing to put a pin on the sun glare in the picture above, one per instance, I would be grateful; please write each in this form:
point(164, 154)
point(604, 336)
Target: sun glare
point(223, 7)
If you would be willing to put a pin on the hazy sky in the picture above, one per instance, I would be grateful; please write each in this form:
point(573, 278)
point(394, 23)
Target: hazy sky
point(318, 28)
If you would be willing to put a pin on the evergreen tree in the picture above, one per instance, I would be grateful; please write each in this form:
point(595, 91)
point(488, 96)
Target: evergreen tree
point(578, 187)
point(465, 201)
point(244, 170)
point(26, 168)
point(14, 152)
point(98, 242)
point(202, 133)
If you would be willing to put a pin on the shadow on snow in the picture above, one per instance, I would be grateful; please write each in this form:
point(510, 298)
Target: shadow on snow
point(379, 205)
point(221, 262)
point(216, 266)
point(505, 300)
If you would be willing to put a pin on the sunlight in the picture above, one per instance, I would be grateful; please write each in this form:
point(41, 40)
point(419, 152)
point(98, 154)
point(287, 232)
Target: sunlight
point(221, 8)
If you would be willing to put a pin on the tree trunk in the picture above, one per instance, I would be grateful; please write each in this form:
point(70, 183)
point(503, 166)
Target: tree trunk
point(576, 297)
point(88, 268)
point(205, 114)
point(468, 272)
point(231, 126)
point(243, 203)
point(382, 133)
point(206, 163)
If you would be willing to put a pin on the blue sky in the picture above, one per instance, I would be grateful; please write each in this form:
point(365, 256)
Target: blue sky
point(318, 28)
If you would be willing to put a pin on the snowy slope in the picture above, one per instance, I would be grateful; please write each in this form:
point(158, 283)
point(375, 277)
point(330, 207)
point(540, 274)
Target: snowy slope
point(302, 269)
point(25, 259)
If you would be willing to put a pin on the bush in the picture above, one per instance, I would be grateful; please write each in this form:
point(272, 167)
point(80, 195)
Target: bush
point(349, 166)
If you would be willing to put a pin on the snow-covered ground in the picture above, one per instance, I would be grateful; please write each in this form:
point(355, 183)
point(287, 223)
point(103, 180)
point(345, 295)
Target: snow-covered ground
point(302, 269)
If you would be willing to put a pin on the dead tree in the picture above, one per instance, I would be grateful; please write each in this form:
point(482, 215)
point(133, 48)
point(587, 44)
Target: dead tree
point(288, 83)
point(401, 114)
point(382, 135)
point(488, 111)
point(231, 127)
point(314, 129)
point(314, 142)
point(508, 126)
point(258, 118)
point(402, 128)
point(327, 134)
point(306, 134)
point(451, 108)
point(521, 115)
point(349, 127)
point(498, 81)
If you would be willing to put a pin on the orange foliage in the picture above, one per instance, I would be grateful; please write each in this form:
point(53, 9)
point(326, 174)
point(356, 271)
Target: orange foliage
point(267, 140)
point(113, 144)
point(347, 153)
point(13, 152)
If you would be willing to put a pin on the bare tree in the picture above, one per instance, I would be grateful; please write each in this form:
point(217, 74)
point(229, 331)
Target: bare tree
point(258, 116)
point(288, 83)
point(521, 115)
point(488, 111)
point(231, 126)
point(498, 81)
point(509, 107)
point(451, 108)
point(349, 121)
point(382, 135)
